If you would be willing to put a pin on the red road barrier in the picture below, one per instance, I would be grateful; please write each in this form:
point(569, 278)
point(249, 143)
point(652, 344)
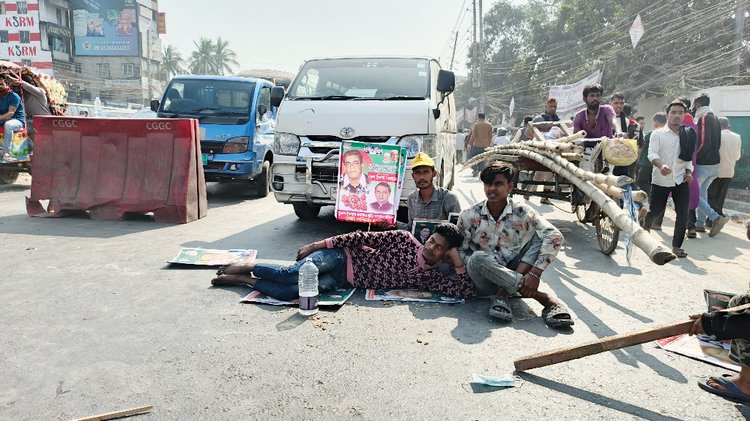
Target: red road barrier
point(110, 167)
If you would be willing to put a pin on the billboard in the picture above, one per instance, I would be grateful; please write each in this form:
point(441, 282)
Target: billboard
point(570, 97)
point(105, 28)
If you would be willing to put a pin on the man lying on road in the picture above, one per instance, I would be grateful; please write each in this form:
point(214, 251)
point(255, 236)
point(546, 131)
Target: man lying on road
point(381, 260)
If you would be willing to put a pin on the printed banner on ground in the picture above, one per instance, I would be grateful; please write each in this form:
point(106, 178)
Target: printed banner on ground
point(336, 297)
point(410, 295)
point(369, 179)
point(211, 257)
point(701, 348)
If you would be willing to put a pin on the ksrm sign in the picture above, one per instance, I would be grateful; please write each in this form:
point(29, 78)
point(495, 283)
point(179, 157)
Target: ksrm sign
point(105, 28)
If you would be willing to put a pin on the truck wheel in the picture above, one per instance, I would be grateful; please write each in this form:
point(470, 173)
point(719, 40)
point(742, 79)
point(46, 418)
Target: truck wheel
point(8, 177)
point(264, 180)
point(305, 211)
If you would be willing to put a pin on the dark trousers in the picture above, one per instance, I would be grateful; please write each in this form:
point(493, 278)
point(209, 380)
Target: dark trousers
point(474, 152)
point(717, 193)
point(681, 198)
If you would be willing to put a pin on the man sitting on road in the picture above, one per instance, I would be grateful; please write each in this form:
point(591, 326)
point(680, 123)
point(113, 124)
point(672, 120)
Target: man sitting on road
point(507, 246)
point(734, 326)
point(428, 202)
point(381, 260)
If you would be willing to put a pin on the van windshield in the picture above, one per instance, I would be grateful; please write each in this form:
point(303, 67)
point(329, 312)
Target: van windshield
point(205, 97)
point(346, 79)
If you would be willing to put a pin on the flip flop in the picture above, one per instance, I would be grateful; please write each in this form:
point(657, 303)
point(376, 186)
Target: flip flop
point(557, 315)
point(504, 313)
point(679, 252)
point(732, 391)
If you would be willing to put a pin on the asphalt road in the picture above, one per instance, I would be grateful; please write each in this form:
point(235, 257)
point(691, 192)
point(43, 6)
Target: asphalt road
point(94, 320)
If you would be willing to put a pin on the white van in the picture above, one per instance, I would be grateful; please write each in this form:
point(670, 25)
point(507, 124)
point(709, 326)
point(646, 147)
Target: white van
point(404, 101)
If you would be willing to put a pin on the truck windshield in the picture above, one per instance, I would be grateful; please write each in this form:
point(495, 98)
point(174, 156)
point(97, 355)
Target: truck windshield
point(352, 79)
point(205, 97)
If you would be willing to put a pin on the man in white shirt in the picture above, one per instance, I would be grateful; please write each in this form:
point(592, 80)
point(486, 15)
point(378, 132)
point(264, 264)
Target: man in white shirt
point(501, 138)
point(730, 153)
point(671, 174)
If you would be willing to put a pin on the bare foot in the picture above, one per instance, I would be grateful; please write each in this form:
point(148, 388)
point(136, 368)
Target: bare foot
point(233, 280)
point(235, 270)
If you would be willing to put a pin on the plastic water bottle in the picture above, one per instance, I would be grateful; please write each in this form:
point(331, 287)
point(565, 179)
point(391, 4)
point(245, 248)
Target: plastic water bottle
point(308, 288)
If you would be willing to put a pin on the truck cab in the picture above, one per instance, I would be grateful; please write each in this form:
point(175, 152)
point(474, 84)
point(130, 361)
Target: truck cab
point(236, 121)
point(383, 100)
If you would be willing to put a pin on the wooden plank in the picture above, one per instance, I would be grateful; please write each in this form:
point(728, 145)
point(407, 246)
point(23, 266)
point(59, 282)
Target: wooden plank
point(609, 343)
point(117, 414)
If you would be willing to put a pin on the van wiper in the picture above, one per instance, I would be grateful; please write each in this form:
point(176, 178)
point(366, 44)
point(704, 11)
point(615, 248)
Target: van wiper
point(183, 115)
point(197, 110)
point(400, 97)
point(327, 97)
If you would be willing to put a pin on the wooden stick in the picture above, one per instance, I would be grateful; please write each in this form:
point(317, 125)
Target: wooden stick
point(609, 343)
point(118, 414)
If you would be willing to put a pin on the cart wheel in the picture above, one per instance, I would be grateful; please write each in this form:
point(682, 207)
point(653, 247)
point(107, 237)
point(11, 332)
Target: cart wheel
point(607, 234)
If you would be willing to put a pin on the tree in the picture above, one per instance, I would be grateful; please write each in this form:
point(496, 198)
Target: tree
point(172, 62)
point(224, 57)
point(202, 59)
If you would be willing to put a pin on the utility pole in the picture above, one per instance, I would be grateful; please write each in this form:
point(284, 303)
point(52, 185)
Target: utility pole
point(455, 42)
point(739, 28)
point(482, 97)
point(474, 81)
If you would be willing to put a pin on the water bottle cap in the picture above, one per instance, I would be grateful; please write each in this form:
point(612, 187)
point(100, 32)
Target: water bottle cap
point(309, 259)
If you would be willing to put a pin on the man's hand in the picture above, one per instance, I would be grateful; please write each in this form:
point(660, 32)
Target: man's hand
point(384, 225)
point(455, 257)
point(304, 251)
point(530, 283)
point(688, 178)
point(665, 170)
point(697, 328)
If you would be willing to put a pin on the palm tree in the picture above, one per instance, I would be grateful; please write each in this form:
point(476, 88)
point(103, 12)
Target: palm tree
point(202, 59)
point(224, 57)
point(172, 62)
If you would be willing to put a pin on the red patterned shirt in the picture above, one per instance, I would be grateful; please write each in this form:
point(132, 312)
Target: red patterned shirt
point(393, 260)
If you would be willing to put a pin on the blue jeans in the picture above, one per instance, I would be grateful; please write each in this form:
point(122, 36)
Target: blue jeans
point(706, 175)
point(10, 126)
point(281, 282)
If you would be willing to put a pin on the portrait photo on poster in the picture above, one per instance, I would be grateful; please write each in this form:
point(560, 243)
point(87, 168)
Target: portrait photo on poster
point(422, 229)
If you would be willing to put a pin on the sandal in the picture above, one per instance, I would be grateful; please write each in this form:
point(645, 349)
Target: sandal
point(501, 310)
point(732, 392)
point(679, 252)
point(691, 234)
point(557, 315)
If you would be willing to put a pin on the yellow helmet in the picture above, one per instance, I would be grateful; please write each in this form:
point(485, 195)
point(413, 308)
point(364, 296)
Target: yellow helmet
point(422, 160)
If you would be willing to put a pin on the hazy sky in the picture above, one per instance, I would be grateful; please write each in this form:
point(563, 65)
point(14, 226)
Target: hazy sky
point(280, 34)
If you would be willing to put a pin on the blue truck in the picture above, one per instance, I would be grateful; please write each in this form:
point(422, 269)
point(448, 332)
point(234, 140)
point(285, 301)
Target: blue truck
point(237, 124)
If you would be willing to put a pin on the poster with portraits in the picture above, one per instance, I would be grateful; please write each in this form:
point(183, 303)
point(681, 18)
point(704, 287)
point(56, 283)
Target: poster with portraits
point(370, 182)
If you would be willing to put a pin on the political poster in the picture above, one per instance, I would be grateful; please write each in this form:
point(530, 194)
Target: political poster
point(570, 97)
point(105, 28)
point(369, 179)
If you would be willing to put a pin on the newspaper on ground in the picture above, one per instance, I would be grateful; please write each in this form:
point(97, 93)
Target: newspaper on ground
point(410, 295)
point(212, 257)
point(336, 297)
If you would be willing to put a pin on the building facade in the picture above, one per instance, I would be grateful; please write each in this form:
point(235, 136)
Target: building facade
point(108, 49)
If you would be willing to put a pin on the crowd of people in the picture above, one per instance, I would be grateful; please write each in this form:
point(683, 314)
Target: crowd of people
point(20, 101)
point(689, 157)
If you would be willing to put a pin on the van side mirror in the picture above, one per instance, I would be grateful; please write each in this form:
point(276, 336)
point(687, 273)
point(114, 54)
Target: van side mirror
point(446, 82)
point(277, 94)
point(154, 104)
point(262, 110)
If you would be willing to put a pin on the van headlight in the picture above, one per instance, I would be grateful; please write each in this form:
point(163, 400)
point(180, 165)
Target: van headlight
point(415, 144)
point(285, 143)
point(236, 145)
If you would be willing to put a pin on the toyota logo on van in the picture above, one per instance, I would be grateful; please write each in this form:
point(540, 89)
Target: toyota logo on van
point(153, 125)
point(65, 123)
point(347, 132)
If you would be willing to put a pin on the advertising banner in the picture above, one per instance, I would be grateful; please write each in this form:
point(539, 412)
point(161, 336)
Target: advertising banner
point(370, 177)
point(570, 97)
point(105, 28)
